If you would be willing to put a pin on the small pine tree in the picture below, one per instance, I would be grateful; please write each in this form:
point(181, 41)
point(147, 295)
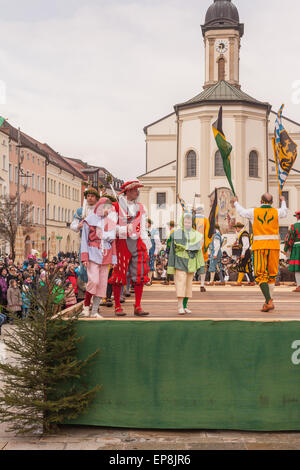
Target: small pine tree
point(43, 385)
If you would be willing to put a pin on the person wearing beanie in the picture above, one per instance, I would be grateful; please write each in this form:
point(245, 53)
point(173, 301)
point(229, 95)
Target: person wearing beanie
point(292, 246)
point(98, 250)
point(91, 196)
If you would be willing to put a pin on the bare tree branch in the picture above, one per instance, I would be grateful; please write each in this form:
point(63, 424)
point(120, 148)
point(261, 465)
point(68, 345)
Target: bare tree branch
point(9, 223)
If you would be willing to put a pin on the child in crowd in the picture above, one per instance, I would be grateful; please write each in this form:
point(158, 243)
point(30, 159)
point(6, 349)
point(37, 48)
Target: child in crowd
point(70, 296)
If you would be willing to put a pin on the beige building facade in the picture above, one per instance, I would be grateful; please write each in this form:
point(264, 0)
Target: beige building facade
point(63, 199)
point(5, 175)
point(181, 153)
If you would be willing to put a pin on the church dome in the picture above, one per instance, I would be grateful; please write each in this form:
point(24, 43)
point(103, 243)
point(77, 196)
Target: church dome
point(222, 11)
point(222, 14)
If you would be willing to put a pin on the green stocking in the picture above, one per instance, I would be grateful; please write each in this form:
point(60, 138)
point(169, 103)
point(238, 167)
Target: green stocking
point(266, 291)
point(185, 302)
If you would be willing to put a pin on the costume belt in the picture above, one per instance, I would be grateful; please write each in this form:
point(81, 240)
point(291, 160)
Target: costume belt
point(296, 243)
point(266, 237)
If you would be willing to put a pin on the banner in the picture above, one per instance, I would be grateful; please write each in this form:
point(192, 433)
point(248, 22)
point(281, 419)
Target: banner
point(224, 147)
point(285, 151)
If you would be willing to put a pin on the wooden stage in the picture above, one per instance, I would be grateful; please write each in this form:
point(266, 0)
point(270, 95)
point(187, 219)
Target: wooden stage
point(218, 303)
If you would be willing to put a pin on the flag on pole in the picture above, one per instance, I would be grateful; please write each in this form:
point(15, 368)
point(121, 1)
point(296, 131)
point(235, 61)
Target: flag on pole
point(285, 151)
point(213, 216)
point(182, 203)
point(224, 147)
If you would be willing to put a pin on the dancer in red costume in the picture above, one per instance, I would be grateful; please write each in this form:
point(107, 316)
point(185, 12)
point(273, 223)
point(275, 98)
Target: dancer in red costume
point(132, 247)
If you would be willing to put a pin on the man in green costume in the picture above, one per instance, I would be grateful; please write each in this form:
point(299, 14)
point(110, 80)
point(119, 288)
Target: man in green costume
point(292, 244)
point(185, 258)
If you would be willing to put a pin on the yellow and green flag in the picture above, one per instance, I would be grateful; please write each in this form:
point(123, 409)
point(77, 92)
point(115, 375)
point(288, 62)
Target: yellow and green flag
point(224, 147)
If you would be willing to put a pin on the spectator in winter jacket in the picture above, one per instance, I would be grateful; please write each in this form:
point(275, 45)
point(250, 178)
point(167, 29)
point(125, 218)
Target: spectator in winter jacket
point(3, 287)
point(72, 277)
point(70, 295)
point(14, 299)
point(2, 320)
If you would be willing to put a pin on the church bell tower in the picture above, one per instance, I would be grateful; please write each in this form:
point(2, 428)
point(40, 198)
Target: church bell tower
point(222, 34)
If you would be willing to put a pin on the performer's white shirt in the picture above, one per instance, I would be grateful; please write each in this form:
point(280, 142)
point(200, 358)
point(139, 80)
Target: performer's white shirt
point(217, 244)
point(157, 243)
point(245, 242)
point(75, 223)
point(249, 213)
point(131, 209)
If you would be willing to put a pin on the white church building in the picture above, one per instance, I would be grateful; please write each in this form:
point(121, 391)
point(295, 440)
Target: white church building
point(181, 153)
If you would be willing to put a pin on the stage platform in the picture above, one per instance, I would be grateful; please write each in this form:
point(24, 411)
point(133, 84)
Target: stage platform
point(218, 303)
point(226, 366)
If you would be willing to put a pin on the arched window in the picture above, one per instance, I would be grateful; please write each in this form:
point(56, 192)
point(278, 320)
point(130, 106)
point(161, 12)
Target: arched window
point(253, 164)
point(191, 164)
point(221, 69)
point(219, 168)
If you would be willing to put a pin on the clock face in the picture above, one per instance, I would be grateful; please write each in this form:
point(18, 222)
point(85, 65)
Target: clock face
point(222, 46)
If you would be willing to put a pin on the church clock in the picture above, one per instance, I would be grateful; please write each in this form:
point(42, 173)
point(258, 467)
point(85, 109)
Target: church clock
point(222, 46)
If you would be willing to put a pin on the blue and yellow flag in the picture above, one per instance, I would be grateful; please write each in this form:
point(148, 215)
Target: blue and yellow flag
point(182, 203)
point(285, 151)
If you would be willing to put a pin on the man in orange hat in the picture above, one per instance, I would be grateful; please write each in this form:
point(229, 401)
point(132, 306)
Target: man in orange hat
point(132, 247)
point(266, 243)
point(292, 245)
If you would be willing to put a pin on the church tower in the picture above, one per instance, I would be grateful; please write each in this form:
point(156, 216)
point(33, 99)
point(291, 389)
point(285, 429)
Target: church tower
point(222, 34)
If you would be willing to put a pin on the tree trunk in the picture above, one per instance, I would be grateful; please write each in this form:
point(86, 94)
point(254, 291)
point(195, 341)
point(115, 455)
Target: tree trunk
point(12, 250)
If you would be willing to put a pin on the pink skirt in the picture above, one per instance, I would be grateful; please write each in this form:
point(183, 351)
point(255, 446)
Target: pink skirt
point(97, 279)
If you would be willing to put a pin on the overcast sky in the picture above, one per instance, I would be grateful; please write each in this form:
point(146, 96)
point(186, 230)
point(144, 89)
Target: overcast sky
point(86, 76)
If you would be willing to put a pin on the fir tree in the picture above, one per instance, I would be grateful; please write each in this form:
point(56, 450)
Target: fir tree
point(43, 385)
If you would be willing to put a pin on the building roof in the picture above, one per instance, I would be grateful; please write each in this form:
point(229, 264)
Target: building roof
point(219, 93)
point(158, 168)
point(26, 142)
point(79, 166)
point(55, 158)
point(222, 14)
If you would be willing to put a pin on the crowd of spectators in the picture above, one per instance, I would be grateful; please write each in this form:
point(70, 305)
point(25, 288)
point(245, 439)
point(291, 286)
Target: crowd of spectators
point(17, 278)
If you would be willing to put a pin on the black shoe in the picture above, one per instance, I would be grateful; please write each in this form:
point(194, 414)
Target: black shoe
point(202, 289)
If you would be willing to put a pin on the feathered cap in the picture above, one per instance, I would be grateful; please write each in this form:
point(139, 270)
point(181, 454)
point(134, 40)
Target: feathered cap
point(130, 185)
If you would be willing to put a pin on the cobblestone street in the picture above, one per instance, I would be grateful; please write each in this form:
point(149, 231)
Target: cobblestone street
point(93, 438)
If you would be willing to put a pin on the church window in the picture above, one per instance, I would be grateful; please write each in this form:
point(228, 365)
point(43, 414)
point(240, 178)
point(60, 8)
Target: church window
point(221, 69)
point(191, 164)
point(287, 198)
point(219, 168)
point(253, 164)
point(161, 199)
